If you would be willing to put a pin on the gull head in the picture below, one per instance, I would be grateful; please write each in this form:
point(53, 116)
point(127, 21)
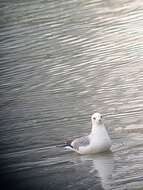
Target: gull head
point(96, 118)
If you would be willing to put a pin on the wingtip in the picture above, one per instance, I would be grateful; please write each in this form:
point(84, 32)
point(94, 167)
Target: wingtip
point(68, 143)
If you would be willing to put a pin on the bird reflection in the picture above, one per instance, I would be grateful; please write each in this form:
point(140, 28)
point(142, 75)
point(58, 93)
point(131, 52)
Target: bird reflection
point(103, 164)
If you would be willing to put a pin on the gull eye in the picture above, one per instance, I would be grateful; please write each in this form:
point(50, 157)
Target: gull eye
point(94, 118)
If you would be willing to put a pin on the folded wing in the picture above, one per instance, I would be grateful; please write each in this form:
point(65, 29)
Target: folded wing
point(83, 141)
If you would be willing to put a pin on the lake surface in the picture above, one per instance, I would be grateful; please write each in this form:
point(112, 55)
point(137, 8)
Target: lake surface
point(60, 61)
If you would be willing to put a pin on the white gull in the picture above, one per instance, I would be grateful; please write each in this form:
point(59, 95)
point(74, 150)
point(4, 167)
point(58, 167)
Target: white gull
point(97, 141)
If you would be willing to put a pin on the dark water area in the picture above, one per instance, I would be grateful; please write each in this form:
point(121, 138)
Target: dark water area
point(60, 61)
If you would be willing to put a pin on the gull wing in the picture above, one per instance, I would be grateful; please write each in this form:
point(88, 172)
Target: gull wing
point(82, 141)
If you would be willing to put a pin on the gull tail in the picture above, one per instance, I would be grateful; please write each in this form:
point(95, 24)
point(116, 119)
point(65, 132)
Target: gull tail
point(68, 145)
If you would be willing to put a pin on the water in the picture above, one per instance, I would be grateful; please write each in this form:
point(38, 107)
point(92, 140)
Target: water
point(60, 61)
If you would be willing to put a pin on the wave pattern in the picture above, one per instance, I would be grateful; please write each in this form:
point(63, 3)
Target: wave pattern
point(59, 62)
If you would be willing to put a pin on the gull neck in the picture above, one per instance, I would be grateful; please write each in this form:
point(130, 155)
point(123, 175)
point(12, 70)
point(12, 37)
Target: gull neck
point(96, 126)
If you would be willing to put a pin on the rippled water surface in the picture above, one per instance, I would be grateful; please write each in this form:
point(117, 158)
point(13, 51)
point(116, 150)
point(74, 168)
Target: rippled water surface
point(60, 61)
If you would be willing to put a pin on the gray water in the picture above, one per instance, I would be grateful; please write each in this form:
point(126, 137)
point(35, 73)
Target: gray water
point(60, 61)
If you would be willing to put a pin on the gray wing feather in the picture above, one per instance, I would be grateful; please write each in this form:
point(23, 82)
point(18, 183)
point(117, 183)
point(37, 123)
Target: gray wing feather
point(83, 141)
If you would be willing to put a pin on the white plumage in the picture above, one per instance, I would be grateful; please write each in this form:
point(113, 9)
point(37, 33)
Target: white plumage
point(97, 141)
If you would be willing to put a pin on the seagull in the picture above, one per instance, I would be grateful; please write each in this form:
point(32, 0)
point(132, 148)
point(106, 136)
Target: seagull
point(97, 141)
